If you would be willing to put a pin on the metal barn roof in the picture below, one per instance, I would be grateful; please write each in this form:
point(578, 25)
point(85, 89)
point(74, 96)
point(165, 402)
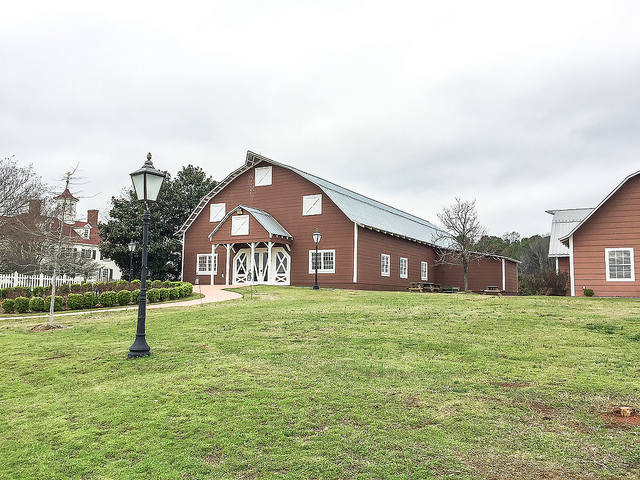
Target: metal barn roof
point(564, 221)
point(361, 210)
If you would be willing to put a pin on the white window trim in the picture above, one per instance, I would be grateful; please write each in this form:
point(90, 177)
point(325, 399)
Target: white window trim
point(606, 262)
point(424, 271)
point(385, 260)
point(312, 205)
point(263, 176)
point(404, 267)
point(212, 261)
point(237, 222)
point(217, 211)
point(321, 268)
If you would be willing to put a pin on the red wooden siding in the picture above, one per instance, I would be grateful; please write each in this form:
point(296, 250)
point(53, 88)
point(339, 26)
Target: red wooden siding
point(615, 224)
point(563, 265)
point(283, 200)
point(481, 274)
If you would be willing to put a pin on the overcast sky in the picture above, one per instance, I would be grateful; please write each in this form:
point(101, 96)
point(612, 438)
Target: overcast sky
point(522, 106)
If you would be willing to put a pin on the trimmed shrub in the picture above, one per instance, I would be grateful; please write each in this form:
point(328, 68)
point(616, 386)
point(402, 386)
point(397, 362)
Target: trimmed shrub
point(588, 292)
point(187, 289)
point(135, 283)
point(76, 288)
point(21, 292)
point(38, 291)
point(21, 304)
point(7, 305)
point(157, 284)
point(63, 289)
point(108, 299)
point(4, 293)
point(36, 304)
point(100, 286)
point(75, 301)
point(124, 297)
point(57, 303)
point(164, 294)
point(89, 300)
point(153, 295)
point(135, 296)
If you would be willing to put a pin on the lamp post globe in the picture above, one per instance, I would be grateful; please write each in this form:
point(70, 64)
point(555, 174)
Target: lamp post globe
point(146, 183)
point(316, 239)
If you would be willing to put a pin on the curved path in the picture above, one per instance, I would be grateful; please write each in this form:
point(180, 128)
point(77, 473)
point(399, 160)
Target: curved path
point(212, 293)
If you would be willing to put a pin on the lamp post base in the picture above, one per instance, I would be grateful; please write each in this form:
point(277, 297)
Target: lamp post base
point(139, 348)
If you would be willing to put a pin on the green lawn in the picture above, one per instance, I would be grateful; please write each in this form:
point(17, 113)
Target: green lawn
point(290, 383)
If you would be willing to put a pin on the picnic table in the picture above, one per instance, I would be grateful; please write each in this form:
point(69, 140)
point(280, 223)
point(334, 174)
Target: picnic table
point(424, 287)
point(492, 290)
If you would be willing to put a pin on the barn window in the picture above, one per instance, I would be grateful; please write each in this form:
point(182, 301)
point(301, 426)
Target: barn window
point(385, 265)
point(240, 225)
point(262, 176)
point(312, 204)
point(424, 271)
point(326, 261)
point(404, 267)
point(207, 264)
point(619, 264)
point(217, 211)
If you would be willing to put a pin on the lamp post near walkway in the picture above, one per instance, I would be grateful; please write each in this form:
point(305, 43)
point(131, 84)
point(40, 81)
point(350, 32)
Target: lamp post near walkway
point(146, 182)
point(132, 247)
point(316, 239)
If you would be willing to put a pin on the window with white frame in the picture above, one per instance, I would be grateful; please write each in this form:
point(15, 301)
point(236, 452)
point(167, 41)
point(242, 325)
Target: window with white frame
point(262, 176)
point(205, 264)
point(240, 225)
point(312, 204)
point(424, 271)
point(385, 265)
point(325, 260)
point(217, 211)
point(404, 267)
point(619, 264)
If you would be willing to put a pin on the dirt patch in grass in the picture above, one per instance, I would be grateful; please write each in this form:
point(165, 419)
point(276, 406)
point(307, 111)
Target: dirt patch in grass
point(47, 327)
point(620, 417)
point(495, 467)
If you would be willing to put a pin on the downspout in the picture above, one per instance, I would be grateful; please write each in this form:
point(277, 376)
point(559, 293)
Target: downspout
point(504, 275)
point(182, 267)
point(355, 252)
point(572, 268)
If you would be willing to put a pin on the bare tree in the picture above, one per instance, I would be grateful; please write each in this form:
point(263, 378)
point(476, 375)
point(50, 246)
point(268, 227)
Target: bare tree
point(18, 186)
point(460, 220)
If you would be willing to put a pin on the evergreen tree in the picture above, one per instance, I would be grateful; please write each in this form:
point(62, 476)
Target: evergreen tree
point(177, 199)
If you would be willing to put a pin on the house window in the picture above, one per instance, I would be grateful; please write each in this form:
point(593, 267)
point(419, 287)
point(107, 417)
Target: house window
point(207, 264)
point(312, 204)
point(262, 176)
point(217, 211)
point(424, 271)
point(240, 225)
point(619, 264)
point(404, 267)
point(385, 265)
point(326, 261)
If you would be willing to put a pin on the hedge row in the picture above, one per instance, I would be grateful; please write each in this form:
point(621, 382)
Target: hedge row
point(78, 301)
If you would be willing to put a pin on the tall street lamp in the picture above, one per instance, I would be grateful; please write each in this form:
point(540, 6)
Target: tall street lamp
point(146, 182)
point(132, 247)
point(316, 239)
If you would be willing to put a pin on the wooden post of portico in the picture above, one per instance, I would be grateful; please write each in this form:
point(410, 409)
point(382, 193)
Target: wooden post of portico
point(228, 246)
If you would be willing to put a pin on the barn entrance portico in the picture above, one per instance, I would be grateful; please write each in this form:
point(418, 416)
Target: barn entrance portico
point(262, 264)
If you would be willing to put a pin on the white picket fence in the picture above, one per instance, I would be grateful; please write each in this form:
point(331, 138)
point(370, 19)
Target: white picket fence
point(18, 280)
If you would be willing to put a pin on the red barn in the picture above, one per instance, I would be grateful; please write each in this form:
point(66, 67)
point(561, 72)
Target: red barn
point(600, 245)
point(257, 224)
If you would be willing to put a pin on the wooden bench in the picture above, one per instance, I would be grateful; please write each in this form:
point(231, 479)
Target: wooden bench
point(424, 287)
point(450, 289)
point(492, 290)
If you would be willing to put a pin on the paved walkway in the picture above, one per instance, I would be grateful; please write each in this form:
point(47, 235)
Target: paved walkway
point(212, 293)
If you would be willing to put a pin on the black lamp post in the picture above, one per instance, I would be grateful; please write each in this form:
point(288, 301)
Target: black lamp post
point(316, 239)
point(146, 182)
point(132, 247)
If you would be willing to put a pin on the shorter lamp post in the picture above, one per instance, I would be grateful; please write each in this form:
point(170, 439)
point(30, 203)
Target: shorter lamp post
point(146, 182)
point(316, 239)
point(132, 247)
